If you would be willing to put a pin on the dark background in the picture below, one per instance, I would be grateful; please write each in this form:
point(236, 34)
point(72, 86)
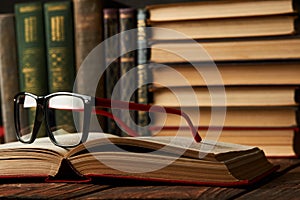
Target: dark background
point(7, 6)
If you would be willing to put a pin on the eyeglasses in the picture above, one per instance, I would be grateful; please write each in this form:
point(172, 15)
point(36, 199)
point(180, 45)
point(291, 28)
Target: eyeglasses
point(70, 113)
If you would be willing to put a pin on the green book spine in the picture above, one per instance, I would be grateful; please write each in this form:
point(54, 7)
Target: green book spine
point(59, 41)
point(143, 75)
point(60, 53)
point(31, 51)
point(128, 21)
point(112, 73)
point(31, 48)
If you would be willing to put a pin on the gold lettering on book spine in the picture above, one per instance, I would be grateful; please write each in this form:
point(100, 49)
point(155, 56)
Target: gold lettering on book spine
point(30, 25)
point(29, 77)
point(29, 9)
point(57, 28)
point(141, 24)
point(58, 7)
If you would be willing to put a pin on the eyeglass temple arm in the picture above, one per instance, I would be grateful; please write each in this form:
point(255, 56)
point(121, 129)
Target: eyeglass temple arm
point(109, 115)
point(108, 103)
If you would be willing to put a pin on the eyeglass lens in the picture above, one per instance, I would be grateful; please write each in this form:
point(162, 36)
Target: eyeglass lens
point(64, 115)
point(27, 106)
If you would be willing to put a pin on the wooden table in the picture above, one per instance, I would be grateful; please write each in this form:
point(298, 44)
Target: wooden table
point(285, 184)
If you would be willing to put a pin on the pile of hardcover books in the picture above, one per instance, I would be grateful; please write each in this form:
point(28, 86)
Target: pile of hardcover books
point(233, 67)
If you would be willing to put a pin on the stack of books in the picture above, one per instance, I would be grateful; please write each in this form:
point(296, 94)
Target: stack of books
point(233, 67)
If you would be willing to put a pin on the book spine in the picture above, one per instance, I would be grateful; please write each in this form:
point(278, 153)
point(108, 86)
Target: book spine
point(9, 84)
point(143, 78)
point(31, 51)
point(297, 95)
point(59, 41)
point(31, 48)
point(127, 17)
point(297, 111)
point(58, 18)
point(88, 29)
point(112, 73)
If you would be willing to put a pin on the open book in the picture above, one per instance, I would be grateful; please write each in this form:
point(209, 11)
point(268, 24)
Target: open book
point(165, 159)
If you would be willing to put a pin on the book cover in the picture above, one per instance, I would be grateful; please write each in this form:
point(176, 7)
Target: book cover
point(220, 9)
point(276, 142)
point(220, 28)
point(284, 72)
point(9, 79)
point(248, 49)
point(88, 30)
point(59, 45)
point(31, 47)
point(143, 72)
point(32, 65)
point(236, 96)
point(60, 51)
point(112, 61)
point(128, 38)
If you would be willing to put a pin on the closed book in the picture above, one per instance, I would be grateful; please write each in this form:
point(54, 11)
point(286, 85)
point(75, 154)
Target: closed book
point(31, 50)
point(220, 9)
point(232, 73)
point(231, 96)
point(274, 141)
point(128, 74)
point(112, 62)
point(9, 79)
point(60, 52)
point(229, 50)
point(88, 27)
point(31, 47)
point(238, 27)
point(88, 32)
point(59, 45)
point(234, 117)
point(143, 72)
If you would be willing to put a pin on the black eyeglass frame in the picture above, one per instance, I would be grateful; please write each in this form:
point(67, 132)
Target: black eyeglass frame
point(89, 103)
point(40, 114)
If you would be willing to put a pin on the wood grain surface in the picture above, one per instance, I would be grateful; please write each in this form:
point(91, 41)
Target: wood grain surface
point(285, 184)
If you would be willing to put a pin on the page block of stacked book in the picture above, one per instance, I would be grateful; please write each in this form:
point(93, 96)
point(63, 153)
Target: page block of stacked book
point(255, 46)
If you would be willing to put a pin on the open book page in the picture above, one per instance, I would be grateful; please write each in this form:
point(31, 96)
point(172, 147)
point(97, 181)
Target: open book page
point(46, 144)
point(168, 144)
point(39, 143)
point(204, 146)
point(206, 150)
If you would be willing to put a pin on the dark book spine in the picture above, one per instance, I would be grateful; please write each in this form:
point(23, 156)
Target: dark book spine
point(60, 52)
point(128, 38)
point(31, 51)
point(112, 73)
point(88, 29)
point(59, 41)
point(31, 48)
point(297, 111)
point(143, 75)
point(9, 83)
